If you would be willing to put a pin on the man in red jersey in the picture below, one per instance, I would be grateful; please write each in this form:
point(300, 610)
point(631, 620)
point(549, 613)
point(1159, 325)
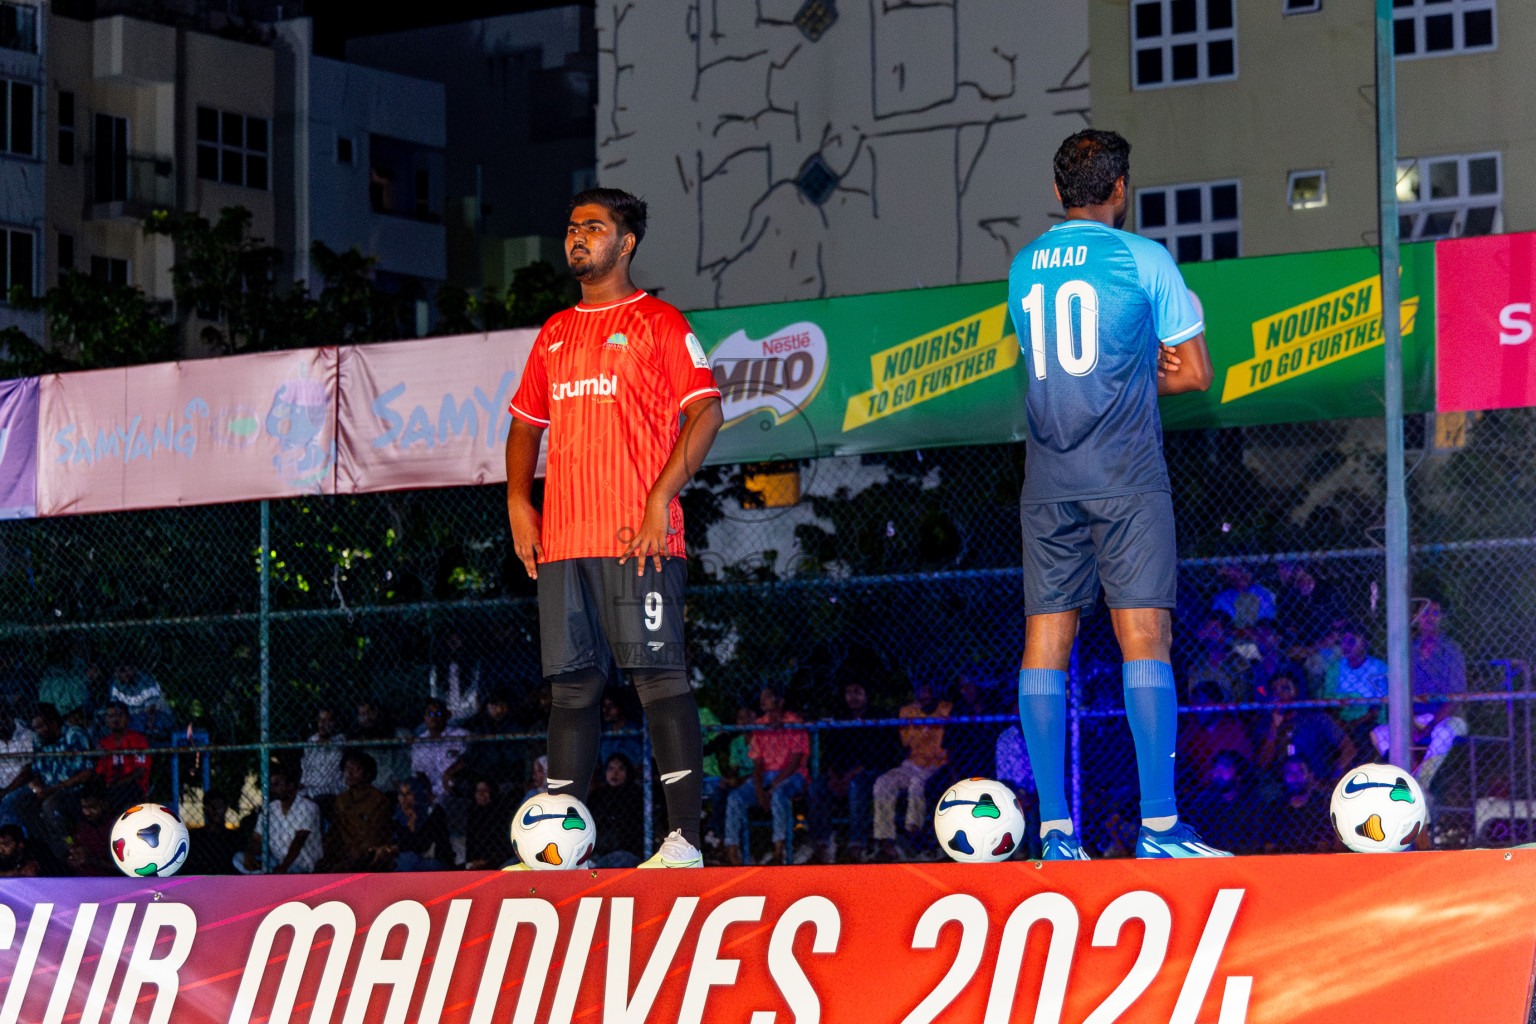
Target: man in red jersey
point(608, 379)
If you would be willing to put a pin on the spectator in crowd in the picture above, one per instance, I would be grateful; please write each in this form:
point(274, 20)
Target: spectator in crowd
point(1217, 663)
point(1439, 668)
point(1222, 809)
point(1307, 733)
point(487, 839)
point(15, 757)
point(436, 746)
point(1297, 821)
point(90, 848)
point(779, 775)
point(455, 678)
point(17, 860)
point(972, 746)
point(18, 681)
point(215, 842)
point(538, 777)
point(616, 812)
point(1269, 661)
point(1356, 674)
point(616, 722)
point(125, 774)
point(925, 755)
point(735, 764)
point(360, 818)
point(1318, 657)
point(294, 822)
point(533, 711)
point(47, 804)
point(1205, 734)
point(1014, 770)
point(1307, 607)
point(320, 767)
point(393, 762)
point(70, 681)
point(1243, 600)
point(715, 744)
point(148, 710)
point(851, 758)
point(421, 841)
point(499, 760)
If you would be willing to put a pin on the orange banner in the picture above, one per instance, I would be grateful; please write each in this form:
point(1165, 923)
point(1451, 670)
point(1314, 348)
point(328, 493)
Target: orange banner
point(1415, 937)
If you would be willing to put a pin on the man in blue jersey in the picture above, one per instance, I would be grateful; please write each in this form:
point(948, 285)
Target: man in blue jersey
point(1099, 313)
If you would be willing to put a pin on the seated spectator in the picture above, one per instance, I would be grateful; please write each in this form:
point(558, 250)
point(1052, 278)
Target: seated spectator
point(1439, 668)
point(436, 746)
point(487, 835)
point(1307, 733)
point(1269, 661)
point(320, 767)
point(47, 805)
point(1204, 734)
point(1013, 769)
point(393, 762)
point(925, 755)
point(1355, 674)
point(851, 758)
point(124, 774)
point(15, 757)
point(90, 848)
point(1243, 600)
point(68, 683)
point(735, 764)
point(17, 859)
point(616, 722)
point(294, 821)
point(617, 811)
point(361, 820)
point(1223, 808)
point(18, 680)
point(778, 776)
point(148, 710)
point(533, 710)
point(538, 781)
point(1298, 821)
point(421, 841)
point(1308, 606)
point(972, 746)
point(215, 842)
point(1217, 663)
point(499, 760)
point(455, 677)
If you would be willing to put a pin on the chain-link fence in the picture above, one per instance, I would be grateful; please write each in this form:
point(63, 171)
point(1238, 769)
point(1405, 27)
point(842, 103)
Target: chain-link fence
point(401, 626)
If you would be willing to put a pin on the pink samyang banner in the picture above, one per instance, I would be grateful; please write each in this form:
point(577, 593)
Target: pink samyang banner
point(428, 413)
point(1485, 350)
point(189, 433)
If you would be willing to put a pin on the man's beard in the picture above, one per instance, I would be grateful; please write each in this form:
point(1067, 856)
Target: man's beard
point(596, 265)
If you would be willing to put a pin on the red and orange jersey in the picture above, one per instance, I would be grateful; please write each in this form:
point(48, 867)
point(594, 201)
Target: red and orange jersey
point(609, 382)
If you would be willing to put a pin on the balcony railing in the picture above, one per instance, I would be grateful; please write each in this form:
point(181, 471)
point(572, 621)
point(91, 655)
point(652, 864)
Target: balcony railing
point(128, 186)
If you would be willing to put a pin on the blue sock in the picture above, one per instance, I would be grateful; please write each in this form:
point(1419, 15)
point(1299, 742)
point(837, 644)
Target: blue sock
point(1152, 710)
point(1043, 720)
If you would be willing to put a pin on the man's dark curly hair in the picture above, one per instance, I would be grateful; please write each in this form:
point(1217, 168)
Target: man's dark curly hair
point(628, 210)
point(1087, 165)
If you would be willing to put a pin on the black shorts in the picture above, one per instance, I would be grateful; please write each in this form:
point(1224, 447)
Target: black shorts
point(1127, 543)
point(594, 612)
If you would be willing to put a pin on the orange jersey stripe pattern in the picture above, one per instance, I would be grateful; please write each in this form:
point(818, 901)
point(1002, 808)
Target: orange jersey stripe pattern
point(609, 382)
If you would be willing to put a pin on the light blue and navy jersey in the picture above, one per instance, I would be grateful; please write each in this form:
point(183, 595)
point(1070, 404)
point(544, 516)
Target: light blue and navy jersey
point(1091, 304)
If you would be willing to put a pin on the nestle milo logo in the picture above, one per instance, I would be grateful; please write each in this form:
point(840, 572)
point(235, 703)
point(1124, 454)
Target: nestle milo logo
point(778, 374)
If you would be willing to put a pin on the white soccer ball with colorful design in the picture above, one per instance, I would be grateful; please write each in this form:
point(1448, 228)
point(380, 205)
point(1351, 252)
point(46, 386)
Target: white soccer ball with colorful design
point(1378, 808)
point(553, 833)
point(979, 821)
point(149, 840)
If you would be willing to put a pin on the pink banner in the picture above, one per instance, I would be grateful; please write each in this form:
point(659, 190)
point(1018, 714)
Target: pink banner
point(1485, 353)
point(192, 433)
point(428, 413)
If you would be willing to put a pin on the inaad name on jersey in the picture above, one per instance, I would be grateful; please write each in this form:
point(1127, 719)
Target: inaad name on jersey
point(1061, 256)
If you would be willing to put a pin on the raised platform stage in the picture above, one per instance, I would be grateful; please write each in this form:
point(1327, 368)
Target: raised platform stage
point(1415, 937)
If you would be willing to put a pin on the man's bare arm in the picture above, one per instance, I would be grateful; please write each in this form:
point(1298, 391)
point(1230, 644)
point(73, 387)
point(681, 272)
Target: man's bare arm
point(702, 421)
point(522, 459)
point(1185, 367)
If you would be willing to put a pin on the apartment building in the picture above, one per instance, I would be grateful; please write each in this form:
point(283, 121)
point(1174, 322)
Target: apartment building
point(1253, 122)
point(23, 102)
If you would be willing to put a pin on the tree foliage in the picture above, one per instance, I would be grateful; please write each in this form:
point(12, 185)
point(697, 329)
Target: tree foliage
point(537, 292)
point(93, 324)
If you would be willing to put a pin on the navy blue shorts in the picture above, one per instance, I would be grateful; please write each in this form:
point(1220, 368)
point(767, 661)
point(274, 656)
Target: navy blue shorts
point(594, 612)
point(1127, 543)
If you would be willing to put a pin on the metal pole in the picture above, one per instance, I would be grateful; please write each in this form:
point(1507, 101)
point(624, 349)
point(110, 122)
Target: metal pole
point(1399, 682)
point(265, 646)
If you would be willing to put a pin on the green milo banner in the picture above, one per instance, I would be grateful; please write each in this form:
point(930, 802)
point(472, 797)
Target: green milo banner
point(1295, 337)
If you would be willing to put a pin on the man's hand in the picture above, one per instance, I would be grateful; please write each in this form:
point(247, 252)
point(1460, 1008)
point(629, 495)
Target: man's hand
point(1167, 361)
point(527, 527)
point(650, 541)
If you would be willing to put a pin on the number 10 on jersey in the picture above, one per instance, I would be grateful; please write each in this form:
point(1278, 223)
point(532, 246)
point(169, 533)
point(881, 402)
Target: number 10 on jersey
point(1078, 361)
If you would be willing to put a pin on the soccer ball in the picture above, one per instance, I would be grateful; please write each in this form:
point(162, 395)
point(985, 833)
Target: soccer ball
point(553, 832)
point(149, 839)
point(1378, 808)
point(979, 821)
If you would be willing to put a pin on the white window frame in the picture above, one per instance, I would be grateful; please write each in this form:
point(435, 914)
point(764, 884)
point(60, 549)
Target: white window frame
point(6, 279)
point(1294, 179)
point(1419, 10)
point(1414, 214)
point(1290, 7)
point(1207, 227)
point(1202, 37)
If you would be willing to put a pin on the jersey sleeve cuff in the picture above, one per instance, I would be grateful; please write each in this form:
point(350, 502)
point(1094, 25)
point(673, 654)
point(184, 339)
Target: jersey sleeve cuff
point(701, 393)
point(1184, 335)
point(528, 418)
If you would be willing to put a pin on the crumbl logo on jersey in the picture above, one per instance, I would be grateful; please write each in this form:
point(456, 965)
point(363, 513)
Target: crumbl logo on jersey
point(779, 374)
point(589, 387)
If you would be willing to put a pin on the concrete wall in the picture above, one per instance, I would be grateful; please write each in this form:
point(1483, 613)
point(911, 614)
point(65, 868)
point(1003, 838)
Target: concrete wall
point(937, 124)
